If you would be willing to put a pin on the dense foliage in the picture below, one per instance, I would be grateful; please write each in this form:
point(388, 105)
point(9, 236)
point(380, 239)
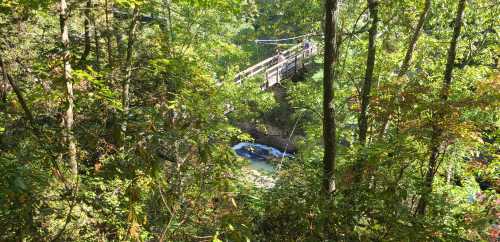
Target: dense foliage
point(117, 119)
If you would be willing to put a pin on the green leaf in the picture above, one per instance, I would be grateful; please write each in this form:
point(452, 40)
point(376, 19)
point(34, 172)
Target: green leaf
point(19, 183)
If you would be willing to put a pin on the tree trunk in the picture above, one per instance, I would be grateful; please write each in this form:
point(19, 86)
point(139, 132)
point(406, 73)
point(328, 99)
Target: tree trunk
point(17, 91)
point(97, 46)
point(86, 50)
point(413, 41)
point(108, 35)
point(170, 36)
point(3, 90)
point(329, 126)
point(370, 65)
point(69, 119)
point(437, 130)
point(96, 39)
point(408, 57)
point(366, 89)
point(128, 74)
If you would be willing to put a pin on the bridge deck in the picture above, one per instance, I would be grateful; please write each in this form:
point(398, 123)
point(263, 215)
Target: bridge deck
point(276, 68)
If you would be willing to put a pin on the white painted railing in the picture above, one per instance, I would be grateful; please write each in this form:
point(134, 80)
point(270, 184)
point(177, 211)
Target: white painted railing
point(294, 60)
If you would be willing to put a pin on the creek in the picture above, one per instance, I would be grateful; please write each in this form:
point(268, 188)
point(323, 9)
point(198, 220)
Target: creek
point(263, 161)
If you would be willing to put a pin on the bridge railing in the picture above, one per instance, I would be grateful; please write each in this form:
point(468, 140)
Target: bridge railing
point(288, 67)
point(264, 65)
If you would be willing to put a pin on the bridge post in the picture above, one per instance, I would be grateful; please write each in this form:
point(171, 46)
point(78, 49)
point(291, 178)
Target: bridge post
point(278, 73)
point(295, 64)
point(267, 80)
point(303, 60)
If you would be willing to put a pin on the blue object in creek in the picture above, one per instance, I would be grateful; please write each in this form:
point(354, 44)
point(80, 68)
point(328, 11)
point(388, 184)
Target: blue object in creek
point(259, 155)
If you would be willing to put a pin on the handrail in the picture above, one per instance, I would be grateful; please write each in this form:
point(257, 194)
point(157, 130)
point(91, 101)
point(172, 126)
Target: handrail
point(277, 65)
point(285, 61)
point(290, 58)
point(263, 63)
point(281, 69)
point(255, 66)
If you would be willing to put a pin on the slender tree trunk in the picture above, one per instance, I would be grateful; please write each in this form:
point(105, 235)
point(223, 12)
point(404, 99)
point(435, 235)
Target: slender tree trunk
point(3, 87)
point(408, 57)
point(413, 41)
point(437, 130)
point(17, 91)
point(97, 46)
point(86, 50)
point(168, 4)
point(108, 35)
point(128, 74)
point(370, 65)
point(329, 126)
point(3, 90)
point(69, 119)
point(96, 40)
point(366, 89)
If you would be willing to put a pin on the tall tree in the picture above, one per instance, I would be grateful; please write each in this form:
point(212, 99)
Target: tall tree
point(437, 129)
point(69, 117)
point(413, 41)
point(366, 88)
point(97, 43)
point(17, 91)
point(408, 56)
point(3, 90)
point(86, 25)
point(370, 65)
point(128, 73)
point(108, 33)
point(329, 126)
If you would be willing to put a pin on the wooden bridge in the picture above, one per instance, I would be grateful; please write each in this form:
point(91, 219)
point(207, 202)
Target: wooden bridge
point(279, 67)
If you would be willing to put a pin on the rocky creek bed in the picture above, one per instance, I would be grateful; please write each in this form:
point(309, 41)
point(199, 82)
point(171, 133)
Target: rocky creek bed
point(264, 162)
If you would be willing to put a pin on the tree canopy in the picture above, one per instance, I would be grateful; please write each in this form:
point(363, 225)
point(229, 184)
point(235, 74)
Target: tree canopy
point(118, 120)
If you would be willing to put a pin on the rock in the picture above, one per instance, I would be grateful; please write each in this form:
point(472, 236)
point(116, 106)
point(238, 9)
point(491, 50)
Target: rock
point(272, 137)
point(258, 179)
